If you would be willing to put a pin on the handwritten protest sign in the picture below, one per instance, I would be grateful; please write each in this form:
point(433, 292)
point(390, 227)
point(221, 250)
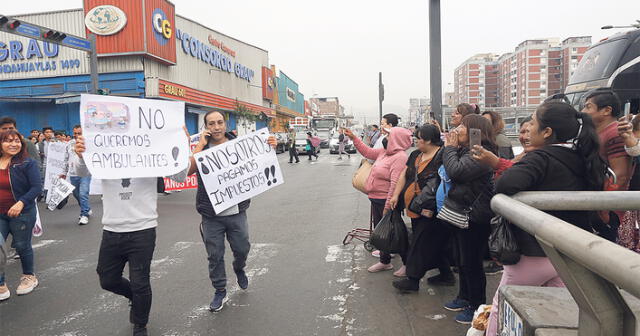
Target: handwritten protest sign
point(239, 169)
point(192, 181)
point(131, 137)
point(60, 189)
point(56, 152)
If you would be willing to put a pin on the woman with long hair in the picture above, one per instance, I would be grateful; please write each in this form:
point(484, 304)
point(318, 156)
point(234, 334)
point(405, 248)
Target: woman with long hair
point(505, 149)
point(472, 188)
point(417, 185)
point(20, 184)
point(461, 111)
point(567, 159)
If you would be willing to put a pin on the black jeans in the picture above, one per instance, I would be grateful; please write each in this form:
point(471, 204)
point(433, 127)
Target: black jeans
point(312, 152)
point(136, 248)
point(377, 208)
point(428, 247)
point(471, 243)
point(293, 152)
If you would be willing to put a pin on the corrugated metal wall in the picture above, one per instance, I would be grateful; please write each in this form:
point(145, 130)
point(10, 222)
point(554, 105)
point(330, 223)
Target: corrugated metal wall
point(130, 38)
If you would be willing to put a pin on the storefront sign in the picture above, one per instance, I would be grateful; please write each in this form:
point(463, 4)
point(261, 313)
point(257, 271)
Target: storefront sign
point(267, 84)
point(131, 137)
point(174, 91)
point(221, 46)
point(39, 52)
point(161, 26)
point(291, 95)
point(105, 20)
point(239, 169)
point(203, 52)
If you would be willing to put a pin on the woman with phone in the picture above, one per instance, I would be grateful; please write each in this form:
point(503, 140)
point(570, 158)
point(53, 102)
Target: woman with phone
point(565, 159)
point(472, 188)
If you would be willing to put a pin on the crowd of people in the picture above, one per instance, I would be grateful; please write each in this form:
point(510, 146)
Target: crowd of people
point(445, 186)
point(129, 217)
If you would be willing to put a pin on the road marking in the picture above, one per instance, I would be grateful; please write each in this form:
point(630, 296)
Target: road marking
point(258, 261)
point(104, 303)
point(40, 244)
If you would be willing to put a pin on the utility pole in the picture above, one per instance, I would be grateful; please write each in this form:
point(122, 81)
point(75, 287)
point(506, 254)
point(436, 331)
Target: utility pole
point(435, 66)
point(380, 95)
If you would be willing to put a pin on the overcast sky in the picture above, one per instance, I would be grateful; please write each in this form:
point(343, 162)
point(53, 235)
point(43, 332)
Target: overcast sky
point(337, 47)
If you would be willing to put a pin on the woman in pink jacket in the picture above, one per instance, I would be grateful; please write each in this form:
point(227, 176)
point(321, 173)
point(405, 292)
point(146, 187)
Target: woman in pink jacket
point(389, 164)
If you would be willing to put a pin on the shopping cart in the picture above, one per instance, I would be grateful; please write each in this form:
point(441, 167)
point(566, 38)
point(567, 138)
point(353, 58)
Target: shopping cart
point(361, 234)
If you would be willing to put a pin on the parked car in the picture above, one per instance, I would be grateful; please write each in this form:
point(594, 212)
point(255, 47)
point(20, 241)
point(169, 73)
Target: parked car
point(333, 145)
point(282, 139)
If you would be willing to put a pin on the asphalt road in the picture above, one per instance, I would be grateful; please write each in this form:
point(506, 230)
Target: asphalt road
point(303, 281)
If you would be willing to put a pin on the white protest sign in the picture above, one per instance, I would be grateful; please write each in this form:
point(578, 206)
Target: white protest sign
point(239, 169)
point(60, 189)
point(55, 165)
point(132, 137)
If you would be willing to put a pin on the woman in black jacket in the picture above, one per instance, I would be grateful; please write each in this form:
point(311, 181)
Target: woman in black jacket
point(416, 189)
point(472, 188)
point(567, 160)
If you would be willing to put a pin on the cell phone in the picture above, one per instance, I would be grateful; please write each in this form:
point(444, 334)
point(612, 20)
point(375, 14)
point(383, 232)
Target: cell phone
point(474, 137)
point(627, 109)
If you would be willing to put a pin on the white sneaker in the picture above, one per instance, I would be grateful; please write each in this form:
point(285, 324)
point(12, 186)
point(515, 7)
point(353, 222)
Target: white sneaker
point(27, 284)
point(4, 292)
point(84, 220)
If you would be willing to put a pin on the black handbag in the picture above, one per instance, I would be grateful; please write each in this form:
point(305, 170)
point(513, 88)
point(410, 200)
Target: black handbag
point(503, 245)
point(426, 199)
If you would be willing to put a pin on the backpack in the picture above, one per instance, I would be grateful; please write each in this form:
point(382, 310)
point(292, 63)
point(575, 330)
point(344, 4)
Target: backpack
point(443, 188)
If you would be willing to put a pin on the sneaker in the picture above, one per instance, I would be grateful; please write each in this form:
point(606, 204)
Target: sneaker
point(493, 268)
point(84, 220)
point(457, 305)
point(4, 292)
point(218, 301)
point(406, 285)
point(28, 283)
point(442, 280)
point(465, 316)
point(243, 281)
point(379, 267)
point(376, 254)
point(401, 272)
point(140, 330)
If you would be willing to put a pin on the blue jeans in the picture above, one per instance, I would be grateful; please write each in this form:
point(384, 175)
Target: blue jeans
point(213, 231)
point(21, 228)
point(81, 193)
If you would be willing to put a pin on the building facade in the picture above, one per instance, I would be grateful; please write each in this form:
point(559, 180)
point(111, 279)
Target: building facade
point(157, 55)
point(535, 70)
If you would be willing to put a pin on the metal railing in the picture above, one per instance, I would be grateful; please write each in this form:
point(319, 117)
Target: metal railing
point(593, 269)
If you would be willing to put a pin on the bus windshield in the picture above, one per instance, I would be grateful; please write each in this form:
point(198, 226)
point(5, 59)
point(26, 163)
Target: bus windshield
point(599, 62)
point(327, 123)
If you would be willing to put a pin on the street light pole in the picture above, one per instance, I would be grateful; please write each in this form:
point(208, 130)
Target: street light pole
point(380, 94)
point(435, 68)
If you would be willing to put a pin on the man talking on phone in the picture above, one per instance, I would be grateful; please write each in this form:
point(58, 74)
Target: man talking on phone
point(231, 222)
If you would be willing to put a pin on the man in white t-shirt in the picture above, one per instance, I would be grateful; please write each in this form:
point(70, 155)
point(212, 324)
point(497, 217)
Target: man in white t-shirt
point(130, 218)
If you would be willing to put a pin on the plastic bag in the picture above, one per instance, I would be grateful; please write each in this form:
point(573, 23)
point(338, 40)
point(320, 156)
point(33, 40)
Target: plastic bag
point(390, 235)
point(503, 246)
point(480, 321)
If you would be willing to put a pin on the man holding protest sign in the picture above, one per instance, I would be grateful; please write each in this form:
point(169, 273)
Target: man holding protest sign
point(128, 143)
point(81, 183)
point(234, 170)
